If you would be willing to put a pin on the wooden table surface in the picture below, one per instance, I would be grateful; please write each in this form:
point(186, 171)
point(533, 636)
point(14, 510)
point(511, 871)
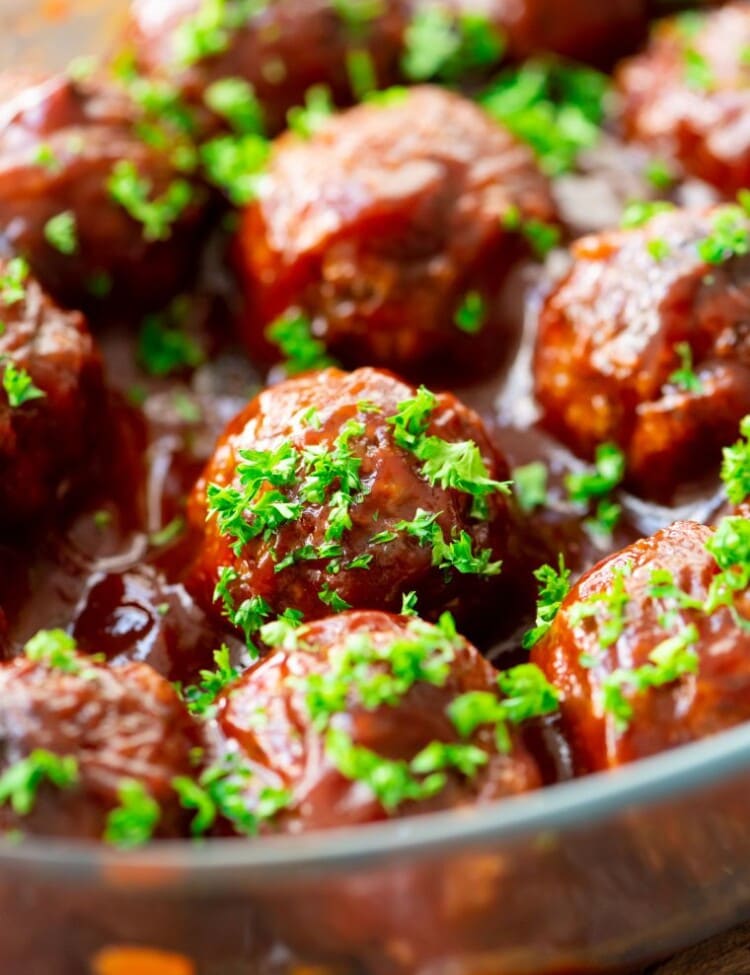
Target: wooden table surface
point(726, 954)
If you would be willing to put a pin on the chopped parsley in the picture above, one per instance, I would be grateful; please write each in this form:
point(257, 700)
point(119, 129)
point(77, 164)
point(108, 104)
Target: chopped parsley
point(20, 782)
point(60, 232)
point(530, 485)
point(360, 68)
point(169, 533)
point(526, 694)
point(554, 587)
point(471, 314)
point(735, 470)
point(18, 385)
point(292, 333)
point(608, 608)
point(133, 193)
point(686, 378)
point(56, 649)
point(305, 120)
point(222, 791)
point(659, 174)
point(658, 248)
point(236, 164)
point(540, 236)
point(200, 699)
point(446, 46)
point(235, 100)
point(132, 823)
point(249, 616)
point(13, 279)
point(164, 347)
point(209, 31)
point(557, 108)
point(698, 72)
point(729, 237)
point(638, 213)
point(596, 484)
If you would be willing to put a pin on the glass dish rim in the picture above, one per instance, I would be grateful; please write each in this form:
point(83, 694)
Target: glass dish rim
point(220, 862)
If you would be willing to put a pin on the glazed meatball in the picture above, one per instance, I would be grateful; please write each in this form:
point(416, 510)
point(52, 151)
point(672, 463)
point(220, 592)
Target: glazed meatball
point(301, 714)
point(85, 729)
point(651, 648)
point(576, 29)
point(644, 343)
point(282, 49)
point(688, 96)
point(97, 210)
point(316, 499)
point(52, 401)
point(383, 225)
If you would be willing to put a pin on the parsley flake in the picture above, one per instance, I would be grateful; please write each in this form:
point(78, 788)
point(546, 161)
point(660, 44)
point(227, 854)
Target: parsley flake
point(18, 385)
point(60, 232)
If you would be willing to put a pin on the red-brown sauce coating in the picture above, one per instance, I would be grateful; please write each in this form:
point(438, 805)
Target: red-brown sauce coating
point(688, 709)
point(119, 724)
point(687, 95)
point(60, 142)
point(609, 342)
point(381, 224)
point(45, 441)
point(395, 491)
point(265, 716)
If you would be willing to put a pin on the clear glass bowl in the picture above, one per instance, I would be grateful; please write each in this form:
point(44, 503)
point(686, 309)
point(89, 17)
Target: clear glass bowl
point(607, 872)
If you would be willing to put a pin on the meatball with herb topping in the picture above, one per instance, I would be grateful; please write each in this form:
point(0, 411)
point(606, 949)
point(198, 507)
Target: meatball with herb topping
point(335, 490)
point(90, 197)
point(88, 750)
point(645, 344)
point(281, 48)
point(51, 401)
point(688, 95)
point(365, 715)
point(651, 648)
point(391, 231)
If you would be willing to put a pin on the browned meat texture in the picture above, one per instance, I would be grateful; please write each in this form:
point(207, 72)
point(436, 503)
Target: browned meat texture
point(265, 715)
point(687, 96)
point(118, 724)
point(383, 224)
point(609, 343)
point(45, 441)
point(687, 709)
point(61, 142)
point(311, 414)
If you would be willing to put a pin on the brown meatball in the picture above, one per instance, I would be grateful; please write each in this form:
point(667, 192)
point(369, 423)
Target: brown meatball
point(61, 145)
point(117, 723)
point(281, 50)
point(688, 95)
point(291, 748)
point(48, 428)
point(577, 28)
point(612, 621)
point(381, 225)
point(355, 522)
point(611, 335)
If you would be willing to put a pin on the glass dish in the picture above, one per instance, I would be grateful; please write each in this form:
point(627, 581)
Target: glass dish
point(606, 873)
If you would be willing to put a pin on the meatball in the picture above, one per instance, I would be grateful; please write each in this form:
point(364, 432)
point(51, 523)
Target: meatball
point(644, 343)
point(73, 732)
point(96, 210)
point(576, 29)
point(282, 49)
point(687, 97)
point(51, 406)
point(336, 695)
point(651, 649)
point(337, 490)
point(386, 226)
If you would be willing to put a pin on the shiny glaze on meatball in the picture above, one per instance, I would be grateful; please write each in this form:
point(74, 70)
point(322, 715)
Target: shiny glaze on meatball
point(384, 224)
point(688, 95)
point(610, 624)
point(117, 724)
point(52, 401)
point(371, 536)
point(266, 718)
point(61, 143)
point(611, 336)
